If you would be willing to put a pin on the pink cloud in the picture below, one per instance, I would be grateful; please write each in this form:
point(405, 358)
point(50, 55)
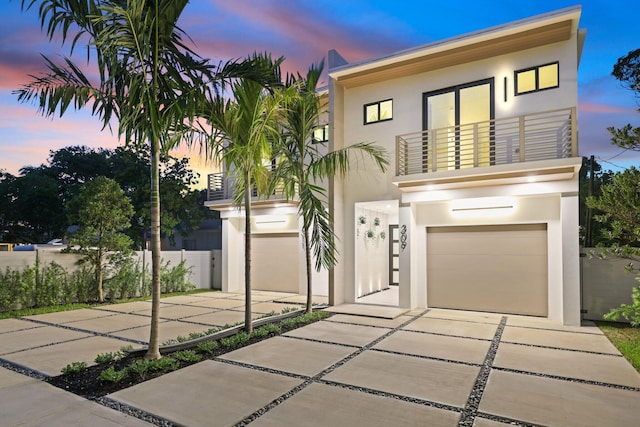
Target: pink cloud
point(593, 107)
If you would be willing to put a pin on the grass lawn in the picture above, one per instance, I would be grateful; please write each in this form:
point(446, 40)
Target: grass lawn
point(625, 338)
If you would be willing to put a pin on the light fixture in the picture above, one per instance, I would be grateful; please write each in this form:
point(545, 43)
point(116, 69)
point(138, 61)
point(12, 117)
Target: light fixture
point(271, 220)
point(483, 206)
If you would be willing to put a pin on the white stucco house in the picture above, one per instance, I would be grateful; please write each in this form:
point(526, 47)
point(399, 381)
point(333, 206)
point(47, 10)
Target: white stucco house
point(479, 209)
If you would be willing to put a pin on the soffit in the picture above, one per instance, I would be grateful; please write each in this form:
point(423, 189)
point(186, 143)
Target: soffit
point(540, 36)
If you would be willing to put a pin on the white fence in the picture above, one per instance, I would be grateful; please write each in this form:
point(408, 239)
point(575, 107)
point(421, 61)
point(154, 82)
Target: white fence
point(204, 275)
point(605, 284)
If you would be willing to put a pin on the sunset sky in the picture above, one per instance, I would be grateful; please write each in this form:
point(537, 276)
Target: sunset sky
point(303, 31)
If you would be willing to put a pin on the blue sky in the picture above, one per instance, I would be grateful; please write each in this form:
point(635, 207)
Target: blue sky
point(303, 31)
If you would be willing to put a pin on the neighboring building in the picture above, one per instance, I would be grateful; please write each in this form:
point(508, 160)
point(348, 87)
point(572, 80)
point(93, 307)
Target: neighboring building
point(479, 210)
point(206, 238)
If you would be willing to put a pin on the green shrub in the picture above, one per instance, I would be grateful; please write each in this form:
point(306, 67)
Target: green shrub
point(140, 368)
point(237, 340)
point(208, 346)
point(164, 364)
point(109, 357)
point(175, 279)
point(629, 312)
point(74, 368)
point(125, 279)
point(188, 356)
point(266, 330)
point(112, 376)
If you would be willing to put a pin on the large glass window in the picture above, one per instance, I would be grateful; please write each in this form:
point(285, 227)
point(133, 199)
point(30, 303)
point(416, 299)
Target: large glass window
point(321, 134)
point(378, 111)
point(537, 78)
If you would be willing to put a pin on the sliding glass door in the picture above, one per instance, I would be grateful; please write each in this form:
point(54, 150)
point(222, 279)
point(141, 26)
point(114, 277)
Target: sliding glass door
point(458, 118)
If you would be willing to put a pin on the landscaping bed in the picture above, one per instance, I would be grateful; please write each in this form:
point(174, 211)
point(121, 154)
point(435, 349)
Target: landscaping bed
point(119, 370)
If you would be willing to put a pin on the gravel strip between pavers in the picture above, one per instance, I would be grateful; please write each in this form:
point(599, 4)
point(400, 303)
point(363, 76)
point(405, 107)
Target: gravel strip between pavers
point(471, 408)
point(24, 370)
point(85, 331)
point(136, 413)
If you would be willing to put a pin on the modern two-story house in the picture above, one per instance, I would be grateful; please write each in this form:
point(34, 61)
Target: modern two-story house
point(479, 210)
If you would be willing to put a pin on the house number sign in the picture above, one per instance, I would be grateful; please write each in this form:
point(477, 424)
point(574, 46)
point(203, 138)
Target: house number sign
point(403, 237)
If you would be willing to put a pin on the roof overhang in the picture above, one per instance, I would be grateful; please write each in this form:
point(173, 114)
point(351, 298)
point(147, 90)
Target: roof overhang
point(516, 36)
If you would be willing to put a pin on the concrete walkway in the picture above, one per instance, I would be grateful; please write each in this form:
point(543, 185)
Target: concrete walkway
point(425, 367)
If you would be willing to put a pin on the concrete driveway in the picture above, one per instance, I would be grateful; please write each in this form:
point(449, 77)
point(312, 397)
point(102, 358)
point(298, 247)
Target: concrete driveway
point(425, 367)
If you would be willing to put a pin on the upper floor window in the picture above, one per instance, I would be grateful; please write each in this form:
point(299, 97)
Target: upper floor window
point(378, 111)
point(320, 134)
point(538, 78)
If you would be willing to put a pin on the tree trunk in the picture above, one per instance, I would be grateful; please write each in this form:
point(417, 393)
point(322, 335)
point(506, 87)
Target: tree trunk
point(307, 250)
point(99, 277)
point(248, 327)
point(154, 347)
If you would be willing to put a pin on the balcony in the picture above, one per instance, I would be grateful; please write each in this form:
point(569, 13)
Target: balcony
point(220, 194)
point(531, 138)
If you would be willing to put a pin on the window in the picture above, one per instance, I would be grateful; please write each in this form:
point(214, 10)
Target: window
point(378, 111)
point(320, 134)
point(537, 78)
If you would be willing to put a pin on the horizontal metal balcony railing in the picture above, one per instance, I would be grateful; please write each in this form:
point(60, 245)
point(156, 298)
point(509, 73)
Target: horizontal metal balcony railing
point(540, 136)
point(219, 188)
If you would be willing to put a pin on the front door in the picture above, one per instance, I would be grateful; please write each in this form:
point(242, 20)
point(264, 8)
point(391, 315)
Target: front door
point(458, 119)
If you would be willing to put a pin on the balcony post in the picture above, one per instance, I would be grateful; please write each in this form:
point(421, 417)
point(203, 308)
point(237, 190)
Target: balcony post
point(475, 145)
point(574, 133)
point(521, 145)
point(398, 154)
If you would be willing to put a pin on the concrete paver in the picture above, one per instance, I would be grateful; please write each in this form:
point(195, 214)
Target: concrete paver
point(268, 307)
point(594, 367)
point(483, 422)
point(587, 327)
point(207, 394)
point(432, 380)
point(453, 327)
point(290, 355)
point(12, 325)
point(36, 403)
point(553, 402)
point(181, 311)
point(385, 312)
point(467, 316)
point(51, 359)
point(128, 307)
point(64, 317)
point(562, 339)
point(9, 378)
point(37, 337)
point(302, 299)
point(370, 321)
point(107, 324)
point(339, 333)
point(441, 347)
point(168, 330)
point(221, 318)
point(311, 405)
point(215, 303)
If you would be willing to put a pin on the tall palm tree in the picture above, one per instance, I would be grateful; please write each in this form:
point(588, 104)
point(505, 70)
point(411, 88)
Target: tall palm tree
point(149, 81)
point(301, 168)
point(244, 130)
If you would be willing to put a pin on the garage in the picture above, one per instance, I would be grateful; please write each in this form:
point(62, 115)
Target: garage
point(494, 268)
point(274, 262)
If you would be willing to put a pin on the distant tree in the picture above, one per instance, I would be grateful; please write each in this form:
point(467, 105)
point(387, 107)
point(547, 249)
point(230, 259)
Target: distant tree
point(101, 210)
point(627, 70)
point(591, 230)
point(32, 210)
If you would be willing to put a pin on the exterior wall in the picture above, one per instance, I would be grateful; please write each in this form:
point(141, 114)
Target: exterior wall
point(203, 274)
point(372, 254)
point(605, 284)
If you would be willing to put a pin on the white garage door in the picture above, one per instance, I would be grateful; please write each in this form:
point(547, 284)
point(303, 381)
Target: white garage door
point(501, 268)
point(274, 262)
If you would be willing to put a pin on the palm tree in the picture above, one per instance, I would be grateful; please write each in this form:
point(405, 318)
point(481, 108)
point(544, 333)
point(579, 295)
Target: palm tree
point(301, 168)
point(244, 130)
point(149, 81)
